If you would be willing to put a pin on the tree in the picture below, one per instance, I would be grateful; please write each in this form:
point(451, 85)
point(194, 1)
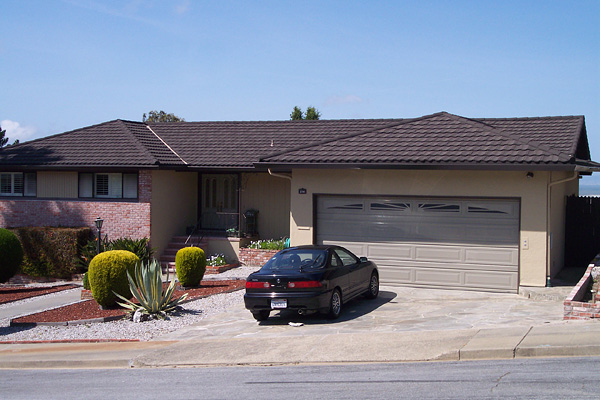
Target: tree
point(3, 139)
point(161, 116)
point(296, 114)
point(311, 113)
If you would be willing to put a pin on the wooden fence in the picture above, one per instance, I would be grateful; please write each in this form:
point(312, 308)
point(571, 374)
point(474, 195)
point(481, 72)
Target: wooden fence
point(582, 230)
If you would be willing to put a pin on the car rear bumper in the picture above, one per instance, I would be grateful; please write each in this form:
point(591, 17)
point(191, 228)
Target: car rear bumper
point(305, 301)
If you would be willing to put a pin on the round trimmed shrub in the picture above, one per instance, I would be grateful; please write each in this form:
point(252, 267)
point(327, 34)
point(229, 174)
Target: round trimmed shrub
point(108, 273)
point(11, 255)
point(190, 264)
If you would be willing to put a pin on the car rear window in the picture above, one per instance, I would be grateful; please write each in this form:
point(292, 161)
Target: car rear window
point(297, 259)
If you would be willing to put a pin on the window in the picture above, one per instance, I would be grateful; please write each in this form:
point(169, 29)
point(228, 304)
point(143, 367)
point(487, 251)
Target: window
point(108, 185)
point(18, 184)
point(347, 258)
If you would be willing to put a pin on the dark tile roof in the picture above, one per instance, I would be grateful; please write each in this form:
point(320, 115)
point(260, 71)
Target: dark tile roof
point(446, 139)
point(110, 144)
point(240, 144)
point(439, 139)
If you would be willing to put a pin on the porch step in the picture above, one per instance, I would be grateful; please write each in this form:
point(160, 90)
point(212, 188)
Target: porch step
point(167, 259)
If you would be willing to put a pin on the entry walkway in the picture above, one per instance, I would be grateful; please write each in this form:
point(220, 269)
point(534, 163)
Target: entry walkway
point(37, 304)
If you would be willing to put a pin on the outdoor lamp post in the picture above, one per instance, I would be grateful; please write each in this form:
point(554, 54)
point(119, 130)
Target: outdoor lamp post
point(98, 223)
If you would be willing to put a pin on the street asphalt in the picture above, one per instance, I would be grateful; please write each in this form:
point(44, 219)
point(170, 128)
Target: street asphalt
point(403, 324)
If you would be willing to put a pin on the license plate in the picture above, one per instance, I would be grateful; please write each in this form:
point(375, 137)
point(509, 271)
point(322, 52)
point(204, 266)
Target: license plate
point(278, 303)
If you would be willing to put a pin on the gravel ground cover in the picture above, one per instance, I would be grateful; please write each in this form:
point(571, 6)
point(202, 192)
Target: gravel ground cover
point(89, 309)
point(193, 312)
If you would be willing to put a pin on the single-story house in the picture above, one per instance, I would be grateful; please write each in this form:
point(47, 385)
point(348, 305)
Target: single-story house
point(436, 201)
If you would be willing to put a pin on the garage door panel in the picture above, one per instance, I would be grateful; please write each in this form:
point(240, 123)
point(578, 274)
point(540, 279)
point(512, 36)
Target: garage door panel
point(490, 280)
point(435, 253)
point(458, 243)
point(439, 277)
point(508, 256)
point(450, 279)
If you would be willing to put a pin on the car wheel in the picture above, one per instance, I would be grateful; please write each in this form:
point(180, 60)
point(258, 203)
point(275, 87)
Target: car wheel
point(261, 315)
point(335, 305)
point(373, 290)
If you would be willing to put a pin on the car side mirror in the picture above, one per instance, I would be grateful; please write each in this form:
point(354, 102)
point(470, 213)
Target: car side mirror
point(363, 259)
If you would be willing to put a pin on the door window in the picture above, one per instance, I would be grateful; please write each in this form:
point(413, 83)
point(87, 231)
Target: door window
point(346, 257)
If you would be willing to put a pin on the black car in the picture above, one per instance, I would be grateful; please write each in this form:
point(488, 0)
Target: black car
point(310, 279)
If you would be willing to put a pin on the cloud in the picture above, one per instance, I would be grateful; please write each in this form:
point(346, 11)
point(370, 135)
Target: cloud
point(183, 7)
point(14, 131)
point(347, 99)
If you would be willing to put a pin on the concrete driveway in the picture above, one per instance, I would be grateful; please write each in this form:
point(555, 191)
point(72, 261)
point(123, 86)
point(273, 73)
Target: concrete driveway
point(395, 310)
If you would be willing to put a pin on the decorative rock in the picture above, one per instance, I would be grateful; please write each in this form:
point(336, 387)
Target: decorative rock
point(139, 316)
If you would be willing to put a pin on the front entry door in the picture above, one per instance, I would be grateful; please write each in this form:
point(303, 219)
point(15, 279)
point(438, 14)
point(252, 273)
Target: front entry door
point(220, 201)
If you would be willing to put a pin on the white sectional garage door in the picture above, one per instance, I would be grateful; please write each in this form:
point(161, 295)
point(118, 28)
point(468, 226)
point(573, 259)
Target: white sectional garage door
point(432, 242)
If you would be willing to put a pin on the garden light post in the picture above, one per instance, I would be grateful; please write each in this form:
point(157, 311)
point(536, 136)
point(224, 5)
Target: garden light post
point(98, 223)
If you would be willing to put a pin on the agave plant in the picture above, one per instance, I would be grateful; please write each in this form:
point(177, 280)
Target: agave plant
point(147, 288)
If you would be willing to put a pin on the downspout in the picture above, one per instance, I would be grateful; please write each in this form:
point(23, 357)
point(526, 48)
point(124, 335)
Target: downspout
point(279, 175)
point(548, 220)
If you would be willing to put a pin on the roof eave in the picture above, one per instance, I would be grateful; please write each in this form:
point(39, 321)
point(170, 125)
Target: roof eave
point(420, 166)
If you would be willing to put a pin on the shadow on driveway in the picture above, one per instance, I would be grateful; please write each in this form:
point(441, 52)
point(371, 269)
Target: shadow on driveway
point(355, 308)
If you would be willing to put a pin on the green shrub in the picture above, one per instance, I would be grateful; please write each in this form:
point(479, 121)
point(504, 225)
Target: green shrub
point(190, 264)
point(108, 274)
point(139, 247)
point(51, 252)
point(11, 255)
point(86, 281)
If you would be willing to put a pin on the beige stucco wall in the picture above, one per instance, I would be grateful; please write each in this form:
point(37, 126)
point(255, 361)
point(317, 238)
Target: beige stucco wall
point(174, 205)
point(57, 185)
point(269, 195)
point(531, 191)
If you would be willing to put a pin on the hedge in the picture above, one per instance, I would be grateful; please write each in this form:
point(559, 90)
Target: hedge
point(51, 252)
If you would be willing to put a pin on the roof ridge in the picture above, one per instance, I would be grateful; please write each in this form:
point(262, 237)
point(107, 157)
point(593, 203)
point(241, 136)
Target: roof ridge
point(60, 134)
point(401, 122)
point(165, 143)
point(531, 143)
point(303, 121)
point(138, 141)
point(330, 140)
point(578, 138)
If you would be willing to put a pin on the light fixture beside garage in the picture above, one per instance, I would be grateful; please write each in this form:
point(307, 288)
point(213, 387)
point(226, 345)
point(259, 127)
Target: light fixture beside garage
point(529, 175)
point(302, 191)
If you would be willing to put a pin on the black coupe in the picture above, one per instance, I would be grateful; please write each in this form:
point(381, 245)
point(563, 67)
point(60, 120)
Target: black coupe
point(310, 279)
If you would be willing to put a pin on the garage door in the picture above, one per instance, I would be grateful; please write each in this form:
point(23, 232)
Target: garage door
point(432, 242)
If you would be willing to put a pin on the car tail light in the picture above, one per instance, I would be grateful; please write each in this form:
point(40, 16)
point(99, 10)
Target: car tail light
point(258, 285)
point(304, 284)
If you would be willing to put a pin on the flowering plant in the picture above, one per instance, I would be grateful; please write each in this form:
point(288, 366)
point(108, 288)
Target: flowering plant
point(216, 260)
point(270, 244)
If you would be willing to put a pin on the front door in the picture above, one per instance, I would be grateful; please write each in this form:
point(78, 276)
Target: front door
point(220, 201)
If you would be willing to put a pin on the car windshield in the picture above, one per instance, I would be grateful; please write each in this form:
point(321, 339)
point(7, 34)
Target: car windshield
point(297, 260)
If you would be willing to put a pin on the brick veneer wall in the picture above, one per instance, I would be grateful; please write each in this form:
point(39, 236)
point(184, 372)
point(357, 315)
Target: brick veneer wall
point(121, 218)
point(255, 257)
point(576, 309)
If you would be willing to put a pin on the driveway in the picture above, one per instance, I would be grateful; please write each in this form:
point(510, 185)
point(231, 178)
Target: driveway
point(395, 310)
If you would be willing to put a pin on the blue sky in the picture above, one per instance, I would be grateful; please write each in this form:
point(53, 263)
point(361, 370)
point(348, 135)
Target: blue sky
point(72, 63)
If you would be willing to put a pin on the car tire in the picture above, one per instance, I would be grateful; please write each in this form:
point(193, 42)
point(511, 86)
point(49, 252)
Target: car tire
point(373, 290)
point(335, 305)
point(261, 315)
